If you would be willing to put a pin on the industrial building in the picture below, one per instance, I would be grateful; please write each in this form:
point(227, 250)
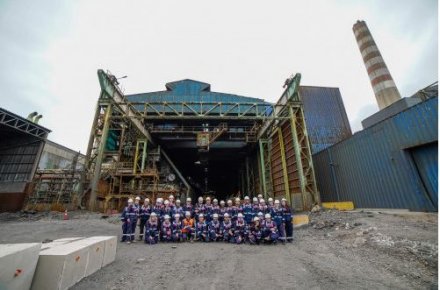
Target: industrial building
point(190, 141)
point(325, 115)
point(392, 164)
point(57, 156)
point(21, 144)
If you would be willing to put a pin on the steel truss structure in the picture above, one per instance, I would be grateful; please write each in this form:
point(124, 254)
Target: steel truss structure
point(279, 165)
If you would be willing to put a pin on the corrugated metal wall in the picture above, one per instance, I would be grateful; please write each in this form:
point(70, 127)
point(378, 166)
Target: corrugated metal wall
point(375, 168)
point(325, 115)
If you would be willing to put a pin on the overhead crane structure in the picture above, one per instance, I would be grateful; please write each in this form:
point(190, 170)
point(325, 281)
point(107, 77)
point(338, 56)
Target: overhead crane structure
point(190, 141)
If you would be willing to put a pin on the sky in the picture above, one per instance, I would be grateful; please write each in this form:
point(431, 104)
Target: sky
point(50, 51)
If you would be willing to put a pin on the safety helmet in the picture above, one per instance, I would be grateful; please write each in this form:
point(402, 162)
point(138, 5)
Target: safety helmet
point(229, 201)
point(153, 214)
point(137, 198)
point(215, 215)
point(237, 199)
point(166, 217)
point(267, 216)
point(260, 196)
point(277, 201)
point(246, 197)
point(188, 199)
point(130, 200)
point(177, 216)
point(270, 199)
point(200, 198)
point(222, 202)
point(158, 200)
point(260, 214)
point(187, 213)
point(240, 215)
point(255, 199)
point(177, 201)
point(166, 202)
point(215, 201)
point(262, 201)
point(201, 215)
point(171, 197)
point(283, 199)
point(226, 215)
point(208, 198)
point(147, 200)
point(256, 219)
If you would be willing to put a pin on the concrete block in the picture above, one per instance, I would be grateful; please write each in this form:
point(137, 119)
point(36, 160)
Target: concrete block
point(61, 267)
point(111, 243)
point(340, 205)
point(58, 242)
point(96, 248)
point(17, 265)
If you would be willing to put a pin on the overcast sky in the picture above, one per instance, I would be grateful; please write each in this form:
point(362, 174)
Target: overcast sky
point(50, 51)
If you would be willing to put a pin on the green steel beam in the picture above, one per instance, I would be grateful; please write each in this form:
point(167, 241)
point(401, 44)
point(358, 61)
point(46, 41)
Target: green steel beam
point(298, 159)
point(99, 158)
point(284, 164)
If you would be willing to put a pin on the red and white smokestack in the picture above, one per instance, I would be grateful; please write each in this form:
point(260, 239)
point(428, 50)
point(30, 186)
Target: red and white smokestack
point(383, 84)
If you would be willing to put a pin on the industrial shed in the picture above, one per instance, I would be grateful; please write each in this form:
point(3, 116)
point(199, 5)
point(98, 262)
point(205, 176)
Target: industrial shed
point(392, 164)
point(21, 144)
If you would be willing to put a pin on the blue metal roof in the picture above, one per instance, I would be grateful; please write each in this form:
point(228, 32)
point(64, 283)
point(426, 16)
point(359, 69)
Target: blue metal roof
point(190, 91)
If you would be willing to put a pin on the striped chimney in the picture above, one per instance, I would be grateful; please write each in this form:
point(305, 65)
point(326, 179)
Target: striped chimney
point(383, 84)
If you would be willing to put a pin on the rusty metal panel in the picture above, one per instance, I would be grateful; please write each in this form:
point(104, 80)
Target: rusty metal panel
point(277, 168)
point(375, 168)
point(326, 118)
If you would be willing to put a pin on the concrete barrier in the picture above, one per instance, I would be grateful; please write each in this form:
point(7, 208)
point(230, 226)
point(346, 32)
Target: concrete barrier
point(95, 257)
point(58, 242)
point(17, 265)
point(61, 267)
point(111, 243)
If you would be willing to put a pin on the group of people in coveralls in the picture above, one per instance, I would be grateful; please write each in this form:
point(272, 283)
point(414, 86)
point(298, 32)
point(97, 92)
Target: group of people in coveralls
point(238, 222)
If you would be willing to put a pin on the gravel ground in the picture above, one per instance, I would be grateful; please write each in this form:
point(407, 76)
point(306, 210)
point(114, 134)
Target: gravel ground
point(339, 250)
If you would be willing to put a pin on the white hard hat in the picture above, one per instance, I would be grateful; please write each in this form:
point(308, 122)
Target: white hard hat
point(208, 198)
point(177, 200)
point(215, 215)
point(283, 199)
point(138, 198)
point(187, 213)
point(171, 196)
point(246, 197)
point(237, 198)
point(130, 200)
point(166, 217)
point(177, 216)
point(153, 214)
point(256, 219)
point(222, 202)
point(262, 201)
point(201, 215)
point(229, 201)
point(240, 215)
point(260, 213)
point(215, 200)
point(267, 216)
point(255, 199)
point(260, 196)
point(277, 201)
point(161, 199)
point(226, 215)
point(188, 199)
point(270, 199)
point(166, 202)
point(147, 199)
point(200, 198)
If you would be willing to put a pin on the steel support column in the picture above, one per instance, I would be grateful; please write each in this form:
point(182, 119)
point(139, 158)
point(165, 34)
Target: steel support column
point(261, 163)
point(284, 164)
point(99, 157)
point(298, 159)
